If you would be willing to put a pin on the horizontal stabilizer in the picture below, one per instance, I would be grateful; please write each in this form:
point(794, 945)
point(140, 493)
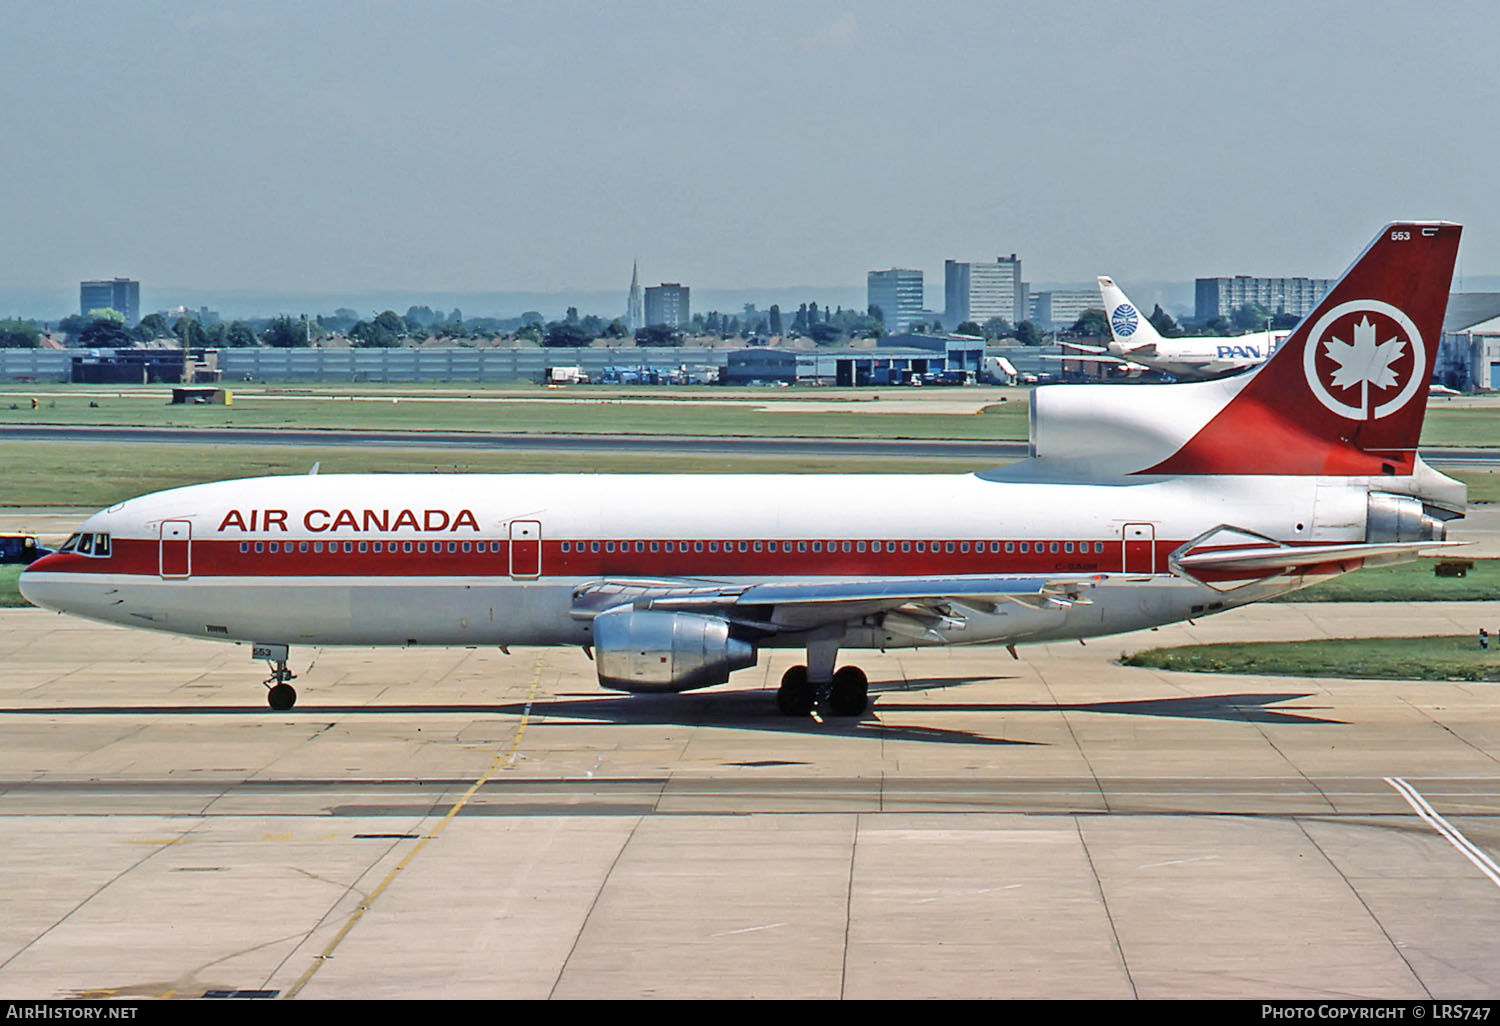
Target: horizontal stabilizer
point(1275, 557)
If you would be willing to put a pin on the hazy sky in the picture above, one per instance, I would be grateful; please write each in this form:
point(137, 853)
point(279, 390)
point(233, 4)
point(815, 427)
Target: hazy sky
point(476, 146)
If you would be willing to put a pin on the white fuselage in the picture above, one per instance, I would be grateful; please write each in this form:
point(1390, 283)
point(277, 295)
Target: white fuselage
point(496, 559)
point(1203, 356)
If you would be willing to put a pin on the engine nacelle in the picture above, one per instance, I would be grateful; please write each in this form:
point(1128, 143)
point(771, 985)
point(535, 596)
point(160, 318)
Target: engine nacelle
point(1403, 518)
point(652, 650)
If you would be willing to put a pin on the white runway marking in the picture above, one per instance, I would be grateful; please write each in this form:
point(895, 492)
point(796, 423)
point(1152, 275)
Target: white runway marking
point(1483, 862)
point(748, 929)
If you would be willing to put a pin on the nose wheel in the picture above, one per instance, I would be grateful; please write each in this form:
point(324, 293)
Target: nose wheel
point(280, 694)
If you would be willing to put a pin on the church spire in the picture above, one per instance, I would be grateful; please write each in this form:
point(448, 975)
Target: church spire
point(635, 307)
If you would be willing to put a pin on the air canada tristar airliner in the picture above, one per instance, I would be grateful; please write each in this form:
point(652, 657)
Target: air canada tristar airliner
point(1138, 506)
point(1136, 344)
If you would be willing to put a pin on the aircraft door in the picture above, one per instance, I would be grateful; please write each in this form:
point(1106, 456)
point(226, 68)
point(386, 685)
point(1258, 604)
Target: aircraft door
point(175, 549)
point(1140, 548)
point(525, 548)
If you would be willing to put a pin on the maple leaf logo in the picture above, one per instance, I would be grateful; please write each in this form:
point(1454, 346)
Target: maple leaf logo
point(1368, 352)
point(1363, 360)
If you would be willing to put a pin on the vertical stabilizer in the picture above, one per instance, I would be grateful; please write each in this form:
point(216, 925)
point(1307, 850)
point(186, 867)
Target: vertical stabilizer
point(1346, 393)
point(1128, 327)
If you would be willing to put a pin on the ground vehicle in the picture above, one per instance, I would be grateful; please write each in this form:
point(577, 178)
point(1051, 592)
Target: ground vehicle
point(21, 548)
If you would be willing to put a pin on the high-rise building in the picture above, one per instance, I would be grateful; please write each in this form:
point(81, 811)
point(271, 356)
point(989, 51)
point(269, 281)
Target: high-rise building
point(120, 294)
point(667, 304)
point(979, 291)
point(635, 310)
point(1219, 297)
point(1062, 307)
point(898, 293)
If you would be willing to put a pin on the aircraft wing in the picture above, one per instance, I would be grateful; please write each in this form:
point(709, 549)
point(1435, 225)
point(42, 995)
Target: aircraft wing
point(1080, 358)
point(781, 606)
point(1081, 347)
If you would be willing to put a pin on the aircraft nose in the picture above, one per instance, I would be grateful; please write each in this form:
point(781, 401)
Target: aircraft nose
point(39, 587)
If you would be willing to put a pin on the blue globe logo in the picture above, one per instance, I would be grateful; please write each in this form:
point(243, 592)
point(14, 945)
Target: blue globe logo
point(1124, 320)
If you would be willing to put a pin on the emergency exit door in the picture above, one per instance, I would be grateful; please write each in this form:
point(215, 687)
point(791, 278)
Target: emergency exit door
point(175, 549)
point(1140, 548)
point(525, 548)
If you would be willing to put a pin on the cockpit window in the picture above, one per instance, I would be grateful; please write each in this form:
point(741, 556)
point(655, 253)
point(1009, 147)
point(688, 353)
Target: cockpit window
point(86, 544)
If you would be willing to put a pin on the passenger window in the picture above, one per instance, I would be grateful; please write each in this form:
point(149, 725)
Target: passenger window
point(859, 547)
point(655, 547)
point(697, 546)
point(421, 547)
point(1010, 546)
point(466, 546)
point(1025, 546)
point(609, 546)
point(948, 547)
point(260, 547)
point(802, 546)
point(1067, 546)
point(921, 546)
point(757, 546)
point(245, 546)
point(845, 547)
point(817, 546)
point(565, 546)
point(640, 546)
point(318, 547)
point(275, 546)
point(1098, 546)
point(593, 547)
point(744, 546)
point(906, 546)
point(1053, 547)
point(302, 546)
point(963, 547)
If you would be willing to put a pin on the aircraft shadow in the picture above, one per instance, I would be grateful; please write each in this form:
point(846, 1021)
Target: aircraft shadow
point(757, 710)
point(1243, 707)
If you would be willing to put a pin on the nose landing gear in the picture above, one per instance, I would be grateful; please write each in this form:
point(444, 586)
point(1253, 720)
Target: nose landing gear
point(280, 695)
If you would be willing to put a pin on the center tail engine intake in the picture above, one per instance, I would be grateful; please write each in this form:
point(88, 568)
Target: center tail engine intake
point(653, 650)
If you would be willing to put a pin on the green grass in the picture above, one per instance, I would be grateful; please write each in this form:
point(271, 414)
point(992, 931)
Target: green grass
point(1461, 426)
point(1408, 582)
point(94, 476)
point(617, 414)
point(1430, 658)
point(10, 596)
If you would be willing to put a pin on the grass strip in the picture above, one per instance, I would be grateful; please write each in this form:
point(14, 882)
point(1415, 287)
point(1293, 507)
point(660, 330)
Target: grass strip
point(1408, 582)
point(1435, 658)
point(10, 594)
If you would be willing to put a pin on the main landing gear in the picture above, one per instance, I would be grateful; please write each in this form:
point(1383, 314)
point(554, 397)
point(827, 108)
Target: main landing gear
point(280, 695)
point(846, 694)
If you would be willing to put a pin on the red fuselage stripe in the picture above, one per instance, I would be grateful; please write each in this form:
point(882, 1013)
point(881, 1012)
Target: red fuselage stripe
point(299, 558)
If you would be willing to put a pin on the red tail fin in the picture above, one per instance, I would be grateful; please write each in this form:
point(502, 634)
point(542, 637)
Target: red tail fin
point(1345, 394)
